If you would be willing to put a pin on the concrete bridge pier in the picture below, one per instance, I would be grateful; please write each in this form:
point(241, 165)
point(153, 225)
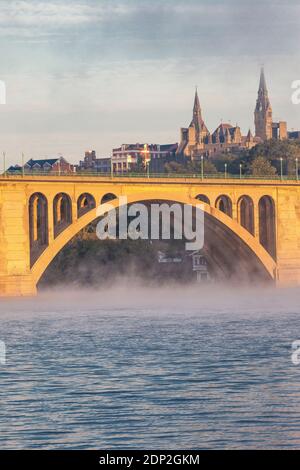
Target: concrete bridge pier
point(17, 286)
point(287, 236)
point(15, 276)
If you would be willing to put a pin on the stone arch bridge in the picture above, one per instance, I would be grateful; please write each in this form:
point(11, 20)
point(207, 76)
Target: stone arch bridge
point(252, 227)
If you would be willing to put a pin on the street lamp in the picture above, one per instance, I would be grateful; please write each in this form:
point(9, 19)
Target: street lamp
point(297, 176)
point(147, 158)
point(225, 170)
point(281, 167)
point(202, 167)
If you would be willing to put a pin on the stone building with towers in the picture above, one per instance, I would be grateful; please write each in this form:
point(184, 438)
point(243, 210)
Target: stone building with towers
point(197, 141)
point(265, 128)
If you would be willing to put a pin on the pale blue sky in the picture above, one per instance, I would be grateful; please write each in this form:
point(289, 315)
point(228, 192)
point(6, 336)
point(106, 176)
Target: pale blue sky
point(95, 74)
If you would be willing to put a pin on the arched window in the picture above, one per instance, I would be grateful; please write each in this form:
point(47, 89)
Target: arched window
point(38, 225)
point(108, 197)
point(203, 198)
point(224, 204)
point(267, 229)
point(62, 213)
point(246, 213)
point(85, 203)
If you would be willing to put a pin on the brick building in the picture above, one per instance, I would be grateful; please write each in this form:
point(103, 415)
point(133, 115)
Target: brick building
point(138, 157)
point(49, 165)
point(94, 164)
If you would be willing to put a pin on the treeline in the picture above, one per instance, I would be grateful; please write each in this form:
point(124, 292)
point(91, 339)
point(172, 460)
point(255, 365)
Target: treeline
point(88, 262)
point(266, 159)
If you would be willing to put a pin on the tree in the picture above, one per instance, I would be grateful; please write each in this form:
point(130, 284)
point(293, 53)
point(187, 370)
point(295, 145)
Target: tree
point(232, 160)
point(191, 167)
point(273, 150)
point(209, 168)
point(174, 167)
point(262, 167)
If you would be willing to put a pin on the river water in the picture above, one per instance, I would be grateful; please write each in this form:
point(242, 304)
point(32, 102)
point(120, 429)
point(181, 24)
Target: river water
point(134, 368)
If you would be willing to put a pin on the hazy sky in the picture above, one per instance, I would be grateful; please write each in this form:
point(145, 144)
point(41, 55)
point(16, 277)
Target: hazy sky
point(95, 74)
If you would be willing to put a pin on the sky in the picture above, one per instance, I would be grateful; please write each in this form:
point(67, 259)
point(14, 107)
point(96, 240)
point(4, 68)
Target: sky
point(93, 74)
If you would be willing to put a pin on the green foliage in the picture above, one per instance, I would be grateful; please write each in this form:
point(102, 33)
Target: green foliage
point(274, 150)
point(91, 262)
point(233, 161)
point(270, 151)
point(209, 168)
point(191, 167)
point(175, 167)
point(262, 167)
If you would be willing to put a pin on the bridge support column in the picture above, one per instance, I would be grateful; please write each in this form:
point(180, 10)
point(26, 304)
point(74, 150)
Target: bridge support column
point(288, 236)
point(50, 221)
point(235, 214)
point(15, 275)
point(16, 286)
point(256, 221)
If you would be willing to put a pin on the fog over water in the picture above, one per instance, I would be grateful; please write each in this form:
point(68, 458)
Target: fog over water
point(131, 367)
point(234, 298)
point(136, 294)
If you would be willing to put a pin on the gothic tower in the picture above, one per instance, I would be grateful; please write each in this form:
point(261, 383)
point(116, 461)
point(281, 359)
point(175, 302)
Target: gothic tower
point(263, 111)
point(197, 118)
point(194, 138)
point(197, 131)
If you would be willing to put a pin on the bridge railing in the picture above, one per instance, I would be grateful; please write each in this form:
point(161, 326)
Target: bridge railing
point(19, 174)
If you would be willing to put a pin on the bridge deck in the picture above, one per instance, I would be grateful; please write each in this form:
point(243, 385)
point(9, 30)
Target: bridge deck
point(153, 179)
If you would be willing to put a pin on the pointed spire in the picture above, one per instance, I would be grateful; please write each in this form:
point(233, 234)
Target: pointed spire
point(197, 107)
point(249, 136)
point(262, 81)
point(197, 120)
point(263, 110)
point(263, 102)
point(201, 131)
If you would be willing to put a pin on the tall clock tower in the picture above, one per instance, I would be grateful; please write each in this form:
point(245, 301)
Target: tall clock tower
point(263, 111)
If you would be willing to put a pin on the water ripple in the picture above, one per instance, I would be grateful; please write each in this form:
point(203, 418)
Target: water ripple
point(117, 378)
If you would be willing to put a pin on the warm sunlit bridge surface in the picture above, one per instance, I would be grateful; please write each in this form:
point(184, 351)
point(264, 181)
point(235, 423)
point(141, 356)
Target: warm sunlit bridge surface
point(252, 226)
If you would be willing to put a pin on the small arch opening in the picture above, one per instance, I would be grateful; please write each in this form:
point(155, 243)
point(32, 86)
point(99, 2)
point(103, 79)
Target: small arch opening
point(38, 225)
point(203, 198)
point(267, 228)
point(85, 203)
point(108, 197)
point(224, 204)
point(246, 213)
point(62, 213)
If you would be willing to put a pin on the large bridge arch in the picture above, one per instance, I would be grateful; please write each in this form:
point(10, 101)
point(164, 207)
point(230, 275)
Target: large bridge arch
point(232, 233)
